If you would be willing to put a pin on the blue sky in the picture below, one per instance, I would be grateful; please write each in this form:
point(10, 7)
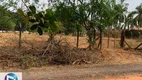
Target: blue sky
point(133, 4)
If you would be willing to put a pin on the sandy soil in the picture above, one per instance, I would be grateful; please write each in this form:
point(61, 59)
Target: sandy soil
point(127, 78)
point(85, 72)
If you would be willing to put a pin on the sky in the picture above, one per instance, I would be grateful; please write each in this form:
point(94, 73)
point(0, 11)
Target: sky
point(133, 4)
point(131, 7)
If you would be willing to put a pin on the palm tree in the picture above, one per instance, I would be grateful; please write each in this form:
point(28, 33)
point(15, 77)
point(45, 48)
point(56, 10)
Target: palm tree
point(137, 15)
point(130, 21)
point(111, 20)
point(137, 21)
point(120, 18)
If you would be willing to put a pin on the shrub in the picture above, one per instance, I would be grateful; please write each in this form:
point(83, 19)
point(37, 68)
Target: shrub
point(133, 33)
point(128, 34)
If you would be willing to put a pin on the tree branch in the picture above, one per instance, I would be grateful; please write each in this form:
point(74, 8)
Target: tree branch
point(24, 2)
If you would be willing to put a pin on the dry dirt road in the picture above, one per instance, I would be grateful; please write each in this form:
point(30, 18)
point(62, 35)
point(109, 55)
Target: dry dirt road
point(87, 72)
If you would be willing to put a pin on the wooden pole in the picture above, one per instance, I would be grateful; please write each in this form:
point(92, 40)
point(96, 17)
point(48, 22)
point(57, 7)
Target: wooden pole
point(77, 44)
point(114, 39)
point(138, 46)
point(122, 38)
point(20, 34)
point(100, 38)
point(108, 38)
point(128, 45)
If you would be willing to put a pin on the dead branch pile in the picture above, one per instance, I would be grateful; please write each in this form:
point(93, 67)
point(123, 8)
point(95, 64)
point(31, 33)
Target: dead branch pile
point(59, 52)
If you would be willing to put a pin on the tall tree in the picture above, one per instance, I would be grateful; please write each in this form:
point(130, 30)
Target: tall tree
point(121, 17)
point(71, 15)
point(137, 15)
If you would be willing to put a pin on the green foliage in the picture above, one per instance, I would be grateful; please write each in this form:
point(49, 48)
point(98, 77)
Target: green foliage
point(71, 16)
point(6, 21)
point(20, 11)
point(137, 16)
point(12, 4)
point(133, 33)
point(43, 20)
point(91, 15)
point(33, 9)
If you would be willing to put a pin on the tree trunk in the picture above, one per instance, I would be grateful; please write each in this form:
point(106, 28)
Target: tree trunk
point(51, 37)
point(94, 37)
point(89, 39)
point(88, 34)
point(122, 38)
point(114, 39)
point(108, 38)
point(100, 38)
point(20, 35)
point(77, 37)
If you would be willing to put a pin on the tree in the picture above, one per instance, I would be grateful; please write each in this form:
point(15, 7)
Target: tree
point(43, 19)
point(92, 15)
point(121, 19)
point(71, 15)
point(137, 16)
point(21, 24)
point(101, 17)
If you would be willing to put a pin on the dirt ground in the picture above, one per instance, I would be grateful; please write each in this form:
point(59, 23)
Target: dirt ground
point(127, 78)
point(117, 64)
point(84, 72)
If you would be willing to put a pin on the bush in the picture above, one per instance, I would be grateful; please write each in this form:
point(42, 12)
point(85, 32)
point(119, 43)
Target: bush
point(128, 34)
point(133, 33)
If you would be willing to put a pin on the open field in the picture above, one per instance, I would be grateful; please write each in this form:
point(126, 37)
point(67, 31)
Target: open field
point(10, 54)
